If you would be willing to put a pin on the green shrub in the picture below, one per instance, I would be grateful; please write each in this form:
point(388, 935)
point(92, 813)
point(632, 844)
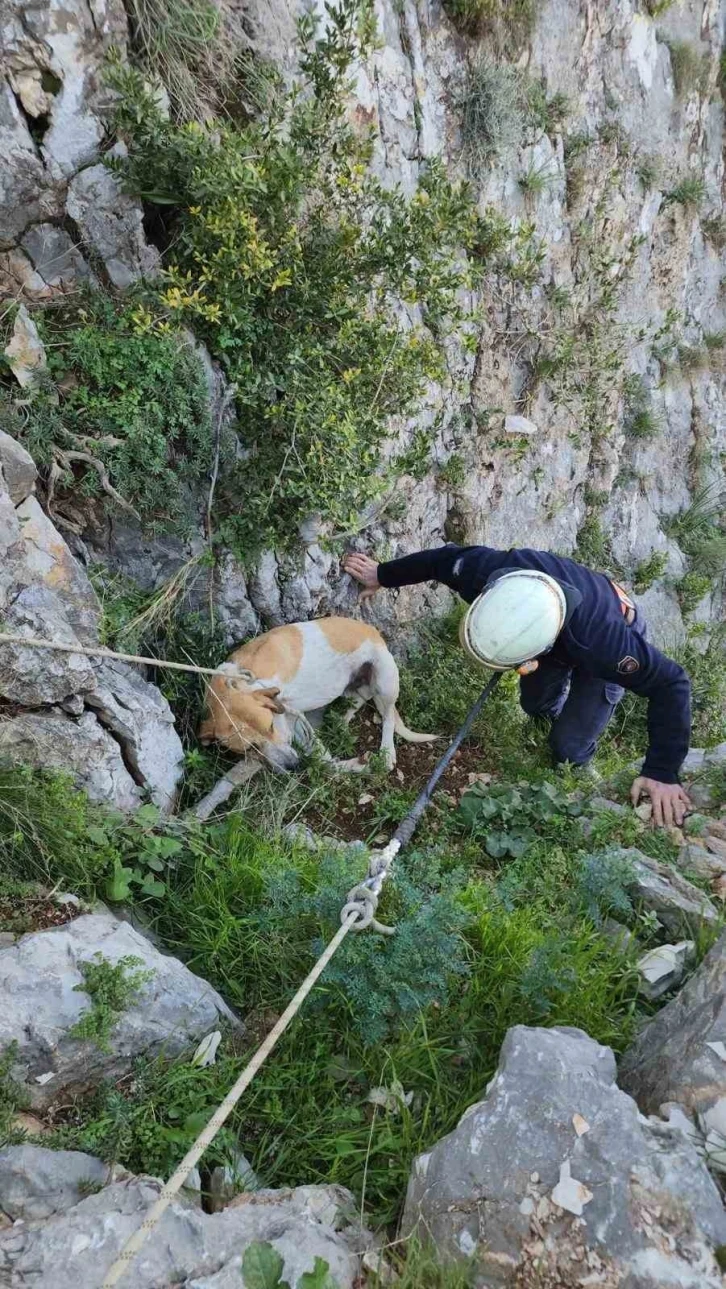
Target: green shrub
point(111, 987)
point(262, 1268)
point(493, 108)
point(715, 230)
point(689, 192)
point(639, 420)
point(707, 671)
point(536, 179)
point(593, 547)
point(691, 590)
point(184, 44)
point(506, 818)
point(648, 170)
point(699, 532)
point(649, 571)
point(129, 401)
point(13, 1098)
point(545, 112)
point(289, 257)
point(688, 67)
point(507, 22)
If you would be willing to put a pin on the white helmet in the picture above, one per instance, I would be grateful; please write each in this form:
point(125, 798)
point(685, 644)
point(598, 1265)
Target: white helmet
point(516, 618)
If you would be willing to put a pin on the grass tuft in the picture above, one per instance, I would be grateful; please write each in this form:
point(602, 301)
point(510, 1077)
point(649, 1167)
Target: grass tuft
point(493, 114)
point(688, 67)
point(689, 192)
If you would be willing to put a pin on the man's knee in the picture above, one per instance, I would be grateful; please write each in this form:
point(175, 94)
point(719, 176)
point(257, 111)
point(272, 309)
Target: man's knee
point(571, 746)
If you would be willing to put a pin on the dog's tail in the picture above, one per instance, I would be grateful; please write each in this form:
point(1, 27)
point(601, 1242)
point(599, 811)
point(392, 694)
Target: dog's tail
point(410, 736)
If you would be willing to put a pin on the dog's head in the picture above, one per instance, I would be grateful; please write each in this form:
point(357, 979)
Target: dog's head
point(243, 720)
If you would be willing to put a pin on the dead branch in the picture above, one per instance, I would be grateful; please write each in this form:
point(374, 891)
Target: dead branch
point(67, 455)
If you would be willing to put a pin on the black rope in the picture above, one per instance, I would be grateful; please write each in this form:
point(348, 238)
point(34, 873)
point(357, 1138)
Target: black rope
point(408, 826)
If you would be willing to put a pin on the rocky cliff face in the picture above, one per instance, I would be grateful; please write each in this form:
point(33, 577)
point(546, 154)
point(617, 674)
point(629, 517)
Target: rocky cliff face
point(593, 409)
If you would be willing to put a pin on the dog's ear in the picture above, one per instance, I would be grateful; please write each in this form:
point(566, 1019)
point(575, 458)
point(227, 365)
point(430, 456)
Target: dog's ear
point(268, 698)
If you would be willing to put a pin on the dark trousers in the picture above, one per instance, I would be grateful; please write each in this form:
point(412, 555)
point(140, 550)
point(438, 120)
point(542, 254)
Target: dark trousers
point(579, 706)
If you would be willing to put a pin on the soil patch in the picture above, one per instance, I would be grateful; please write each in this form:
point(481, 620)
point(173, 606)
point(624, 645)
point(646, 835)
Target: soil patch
point(20, 914)
point(353, 820)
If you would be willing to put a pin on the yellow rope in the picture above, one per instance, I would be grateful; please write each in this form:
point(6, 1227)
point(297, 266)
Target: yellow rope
point(98, 652)
point(207, 1135)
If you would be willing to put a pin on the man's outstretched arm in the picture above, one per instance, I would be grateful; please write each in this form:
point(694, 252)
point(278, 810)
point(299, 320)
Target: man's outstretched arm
point(436, 565)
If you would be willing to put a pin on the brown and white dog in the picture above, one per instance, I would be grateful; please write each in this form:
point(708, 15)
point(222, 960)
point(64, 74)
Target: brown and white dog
point(303, 668)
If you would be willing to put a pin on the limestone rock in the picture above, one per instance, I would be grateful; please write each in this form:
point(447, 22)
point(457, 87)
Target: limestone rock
point(36, 1182)
point(678, 904)
point(50, 739)
point(55, 257)
point(519, 425)
point(75, 1248)
point(47, 560)
point(664, 967)
point(37, 677)
point(138, 715)
point(173, 1011)
point(702, 862)
point(695, 761)
point(25, 352)
point(554, 1127)
point(680, 1055)
point(112, 224)
point(18, 468)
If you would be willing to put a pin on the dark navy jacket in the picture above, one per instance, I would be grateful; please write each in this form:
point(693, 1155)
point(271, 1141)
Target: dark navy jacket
point(595, 638)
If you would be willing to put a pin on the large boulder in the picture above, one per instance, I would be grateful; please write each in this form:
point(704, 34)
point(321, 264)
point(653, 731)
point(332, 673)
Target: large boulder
point(112, 224)
point(679, 905)
point(35, 1182)
point(555, 1179)
point(141, 720)
point(51, 739)
point(43, 987)
point(76, 1246)
point(680, 1055)
point(18, 468)
point(103, 723)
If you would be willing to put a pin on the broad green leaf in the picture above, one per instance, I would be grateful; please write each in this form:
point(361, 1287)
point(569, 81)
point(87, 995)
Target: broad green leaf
point(97, 835)
point(262, 1267)
point(150, 886)
point(496, 844)
point(168, 846)
point(148, 815)
point(318, 1278)
point(118, 887)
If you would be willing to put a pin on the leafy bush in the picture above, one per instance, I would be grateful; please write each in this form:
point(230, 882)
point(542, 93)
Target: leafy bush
point(688, 67)
point(649, 571)
point(640, 421)
point(277, 906)
point(111, 987)
point(691, 590)
point(184, 44)
point(128, 401)
point(493, 110)
point(507, 818)
point(715, 230)
point(262, 1268)
point(291, 259)
point(689, 192)
point(508, 22)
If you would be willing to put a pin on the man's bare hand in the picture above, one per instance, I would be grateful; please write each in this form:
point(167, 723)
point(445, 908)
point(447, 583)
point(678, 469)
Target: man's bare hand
point(670, 802)
point(364, 570)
